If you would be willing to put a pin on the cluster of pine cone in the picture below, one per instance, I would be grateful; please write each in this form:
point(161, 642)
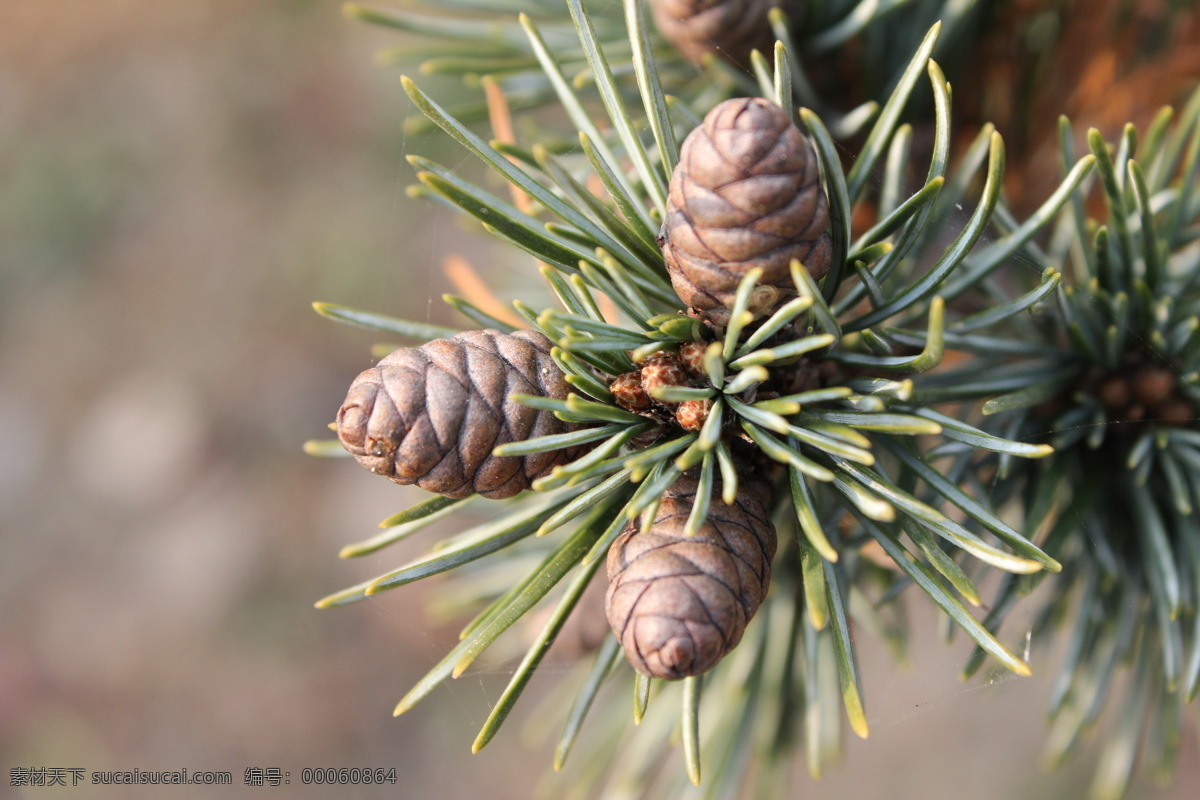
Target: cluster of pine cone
point(1143, 390)
point(745, 195)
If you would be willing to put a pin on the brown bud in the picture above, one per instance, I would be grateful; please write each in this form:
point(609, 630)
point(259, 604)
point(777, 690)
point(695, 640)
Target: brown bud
point(1175, 412)
point(1114, 393)
point(678, 604)
point(729, 28)
point(692, 414)
point(628, 392)
point(692, 356)
point(662, 370)
point(746, 194)
point(1152, 384)
point(432, 415)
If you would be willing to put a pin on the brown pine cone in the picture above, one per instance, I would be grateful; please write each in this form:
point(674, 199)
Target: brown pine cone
point(746, 194)
point(729, 28)
point(678, 604)
point(432, 415)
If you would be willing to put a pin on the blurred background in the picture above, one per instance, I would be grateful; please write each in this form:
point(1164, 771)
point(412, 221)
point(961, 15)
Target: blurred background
point(178, 181)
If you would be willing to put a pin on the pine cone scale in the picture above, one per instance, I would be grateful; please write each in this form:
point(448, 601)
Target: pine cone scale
point(738, 246)
point(733, 614)
point(446, 417)
point(751, 152)
point(761, 195)
point(696, 562)
point(417, 455)
point(709, 204)
point(479, 433)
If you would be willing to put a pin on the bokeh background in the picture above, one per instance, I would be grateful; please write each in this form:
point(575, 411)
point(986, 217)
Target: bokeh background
point(178, 181)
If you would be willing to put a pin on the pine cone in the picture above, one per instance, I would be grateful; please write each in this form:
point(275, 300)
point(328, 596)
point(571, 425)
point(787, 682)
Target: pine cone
point(678, 603)
point(746, 194)
point(432, 415)
point(729, 28)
